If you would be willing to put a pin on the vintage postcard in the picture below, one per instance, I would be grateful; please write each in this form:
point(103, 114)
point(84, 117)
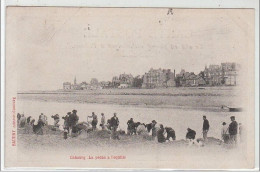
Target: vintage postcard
point(134, 88)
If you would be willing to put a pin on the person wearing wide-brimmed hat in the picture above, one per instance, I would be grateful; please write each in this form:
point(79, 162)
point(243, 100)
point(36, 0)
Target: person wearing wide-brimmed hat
point(233, 126)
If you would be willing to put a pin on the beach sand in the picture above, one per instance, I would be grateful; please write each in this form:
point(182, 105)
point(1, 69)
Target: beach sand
point(97, 150)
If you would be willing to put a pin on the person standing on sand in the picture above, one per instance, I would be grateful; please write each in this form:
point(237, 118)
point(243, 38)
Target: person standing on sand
point(205, 128)
point(130, 124)
point(41, 118)
point(94, 120)
point(224, 133)
point(154, 131)
point(18, 118)
point(22, 121)
point(66, 125)
point(73, 119)
point(66, 121)
point(103, 121)
point(114, 122)
point(233, 130)
point(160, 134)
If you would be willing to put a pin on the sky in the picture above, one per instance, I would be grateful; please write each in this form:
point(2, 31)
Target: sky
point(52, 45)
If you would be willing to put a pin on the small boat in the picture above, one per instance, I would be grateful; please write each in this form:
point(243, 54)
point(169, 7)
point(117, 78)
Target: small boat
point(231, 109)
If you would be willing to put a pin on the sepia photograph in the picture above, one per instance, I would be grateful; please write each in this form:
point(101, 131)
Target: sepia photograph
point(129, 88)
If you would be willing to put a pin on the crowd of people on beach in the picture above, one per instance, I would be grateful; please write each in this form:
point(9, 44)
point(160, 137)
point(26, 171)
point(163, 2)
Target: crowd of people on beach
point(72, 128)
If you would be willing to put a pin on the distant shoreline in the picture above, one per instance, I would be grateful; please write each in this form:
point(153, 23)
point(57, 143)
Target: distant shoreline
point(125, 91)
point(206, 99)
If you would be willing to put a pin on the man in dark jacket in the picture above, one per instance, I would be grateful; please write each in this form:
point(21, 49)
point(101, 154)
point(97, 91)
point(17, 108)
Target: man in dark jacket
point(170, 133)
point(205, 128)
point(114, 122)
point(73, 119)
point(233, 130)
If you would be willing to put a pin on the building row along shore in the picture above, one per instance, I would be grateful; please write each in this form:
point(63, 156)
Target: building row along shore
point(224, 74)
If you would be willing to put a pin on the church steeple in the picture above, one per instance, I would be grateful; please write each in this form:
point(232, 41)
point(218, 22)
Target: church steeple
point(75, 81)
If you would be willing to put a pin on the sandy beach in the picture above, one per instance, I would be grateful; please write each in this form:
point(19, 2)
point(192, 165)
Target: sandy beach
point(88, 147)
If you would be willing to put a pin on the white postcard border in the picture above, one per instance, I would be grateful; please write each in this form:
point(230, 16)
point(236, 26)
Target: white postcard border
point(134, 3)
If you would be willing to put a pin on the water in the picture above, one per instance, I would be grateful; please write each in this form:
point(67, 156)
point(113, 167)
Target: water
point(178, 119)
